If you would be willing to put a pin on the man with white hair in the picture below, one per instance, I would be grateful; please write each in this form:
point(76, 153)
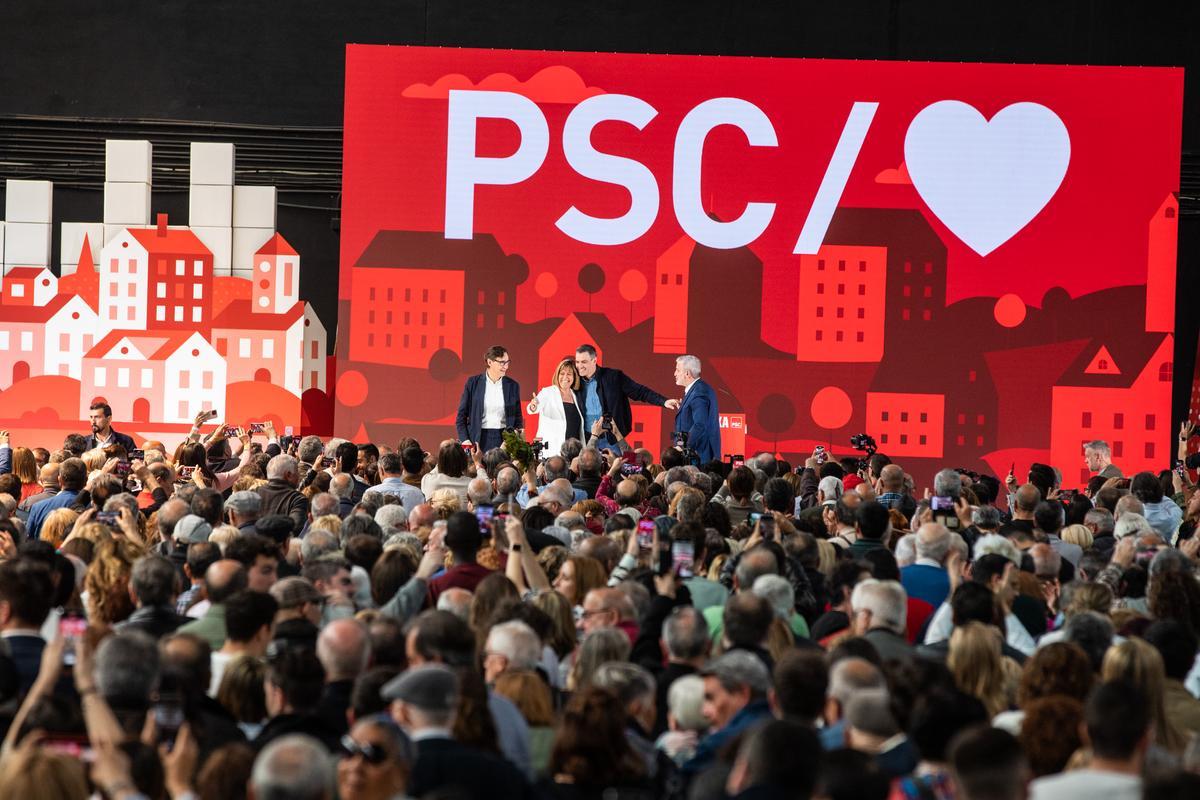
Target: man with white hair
point(341, 486)
point(879, 615)
point(279, 495)
point(847, 677)
point(510, 645)
point(479, 493)
point(457, 601)
point(243, 510)
point(927, 578)
point(391, 519)
point(697, 414)
point(1131, 524)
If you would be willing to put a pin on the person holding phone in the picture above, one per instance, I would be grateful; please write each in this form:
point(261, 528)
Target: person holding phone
point(490, 403)
point(559, 417)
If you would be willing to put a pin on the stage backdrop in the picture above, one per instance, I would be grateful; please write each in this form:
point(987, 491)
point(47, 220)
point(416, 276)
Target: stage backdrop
point(973, 263)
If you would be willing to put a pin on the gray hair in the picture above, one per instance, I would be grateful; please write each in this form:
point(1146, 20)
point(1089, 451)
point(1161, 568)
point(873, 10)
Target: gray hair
point(830, 488)
point(122, 500)
point(404, 539)
point(1131, 524)
point(392, 518)
point(690, 363)
point(685, 699)
point(986, 517)
point(332, 446)
point(342, 485)
point(947, 483)
point(1170, 560)
point(309, 448)
point(906, 550)
point(247, 505)
point(127, 668)
point(571, 520)
point(1102, 518)
point(508, 481)
point(629, 682)
point(317, 543)
point(322, 504)
point(850, 675)
point(777, 590)
point(153, 579)
point(1128, 504)
point(685, 633)
point(479, 491)
point(886, 600)
point(737, 669)
point(1100, 446)
point(933, 541)
point(293, 767)
point(517, 642)
point(994, 543)
point(281, 466)
point(344, 648)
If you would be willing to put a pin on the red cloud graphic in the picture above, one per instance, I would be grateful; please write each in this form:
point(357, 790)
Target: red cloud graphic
point(556, 84)
point(898, 175)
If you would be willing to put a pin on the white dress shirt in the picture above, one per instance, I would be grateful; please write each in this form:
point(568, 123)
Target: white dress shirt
point(493, 404)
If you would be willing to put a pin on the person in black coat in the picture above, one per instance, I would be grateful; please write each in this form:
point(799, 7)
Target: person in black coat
point(152, 581)
point(424, 700)
point(103, 434)
point(610, 391)
point(490, 402)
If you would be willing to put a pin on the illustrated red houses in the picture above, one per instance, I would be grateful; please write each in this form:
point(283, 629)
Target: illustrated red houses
point(841, 304)
point(1118, 390)
point(671, 274)
point(181, 273)
point(419, 292)
point(29, 286)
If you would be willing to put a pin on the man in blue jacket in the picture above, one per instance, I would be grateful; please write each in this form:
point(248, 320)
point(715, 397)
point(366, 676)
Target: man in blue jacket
point(604, 391)
point(697, 416)
point(490, 403)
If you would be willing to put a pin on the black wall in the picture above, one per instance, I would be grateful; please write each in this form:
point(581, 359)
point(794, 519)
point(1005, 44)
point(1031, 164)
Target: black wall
point(264, 63)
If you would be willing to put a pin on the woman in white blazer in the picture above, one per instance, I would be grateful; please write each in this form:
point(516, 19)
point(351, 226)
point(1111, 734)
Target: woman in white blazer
point(559, 418)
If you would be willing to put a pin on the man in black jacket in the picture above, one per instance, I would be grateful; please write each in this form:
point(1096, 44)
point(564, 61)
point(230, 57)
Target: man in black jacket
point(152, 583)
point(424, 700)
point(608, 391)
point(279, 495)
point(102, 433)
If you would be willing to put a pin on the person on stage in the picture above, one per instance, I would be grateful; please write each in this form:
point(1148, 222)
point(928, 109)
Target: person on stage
point(697, 416)
point(561, 418)
point(608, 391)
point(490, 403)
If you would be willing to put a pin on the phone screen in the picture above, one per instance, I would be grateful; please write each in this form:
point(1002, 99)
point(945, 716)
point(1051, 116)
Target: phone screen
point(168, 717)
point(645, 533)
point(137, 455)
point(683, 557)
point(766, 526)
point(484, 514)
point(70, 630)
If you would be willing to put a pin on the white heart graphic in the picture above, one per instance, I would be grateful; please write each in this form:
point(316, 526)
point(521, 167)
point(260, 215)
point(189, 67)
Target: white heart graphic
point(986, 180)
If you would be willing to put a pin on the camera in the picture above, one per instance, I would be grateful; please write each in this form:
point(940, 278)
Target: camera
point(865, 443)
point(679, 439)
point(606, 424)
point(538, 447)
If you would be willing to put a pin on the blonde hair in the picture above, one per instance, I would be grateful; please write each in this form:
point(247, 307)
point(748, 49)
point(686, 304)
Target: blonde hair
point(1138, 662)
point(248, 483)
point(222, 535)
point(1077, 535)
point(331, 523)
point(94, 532)
point(975, 662)
point(57, 526)
point(107, 580)
point(827, 557)
point(94, 459)
point(445, 502)
point(33, 773)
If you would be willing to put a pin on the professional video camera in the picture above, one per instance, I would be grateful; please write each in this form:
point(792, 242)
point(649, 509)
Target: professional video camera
point(679, 440)
point(865, 443)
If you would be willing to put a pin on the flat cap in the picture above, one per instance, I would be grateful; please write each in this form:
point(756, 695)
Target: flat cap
point(431, 687)
point(294, 591)
point(191, 529)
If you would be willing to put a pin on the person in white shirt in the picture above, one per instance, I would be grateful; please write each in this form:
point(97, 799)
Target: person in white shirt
point(559, 418)
point(490, 403)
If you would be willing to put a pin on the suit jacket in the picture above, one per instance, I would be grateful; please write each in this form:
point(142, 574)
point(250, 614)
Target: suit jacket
point(469, 422)
point(26, 654)
point(697, 416)
point(444, 763)
point(615, 389)
point(122, 439)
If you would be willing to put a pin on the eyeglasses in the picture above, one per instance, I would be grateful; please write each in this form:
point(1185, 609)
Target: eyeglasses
point(498, 361)
point(587, 614)
point(373, 754)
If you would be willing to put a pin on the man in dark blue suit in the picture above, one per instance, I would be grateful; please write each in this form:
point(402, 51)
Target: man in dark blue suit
point(490, 403)
point(697, 416)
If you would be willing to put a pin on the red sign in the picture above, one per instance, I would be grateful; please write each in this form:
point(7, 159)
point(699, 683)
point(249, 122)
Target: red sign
point(934, 254)
point(733, 434)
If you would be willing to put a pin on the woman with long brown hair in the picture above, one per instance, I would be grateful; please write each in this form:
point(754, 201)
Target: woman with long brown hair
point(24, 467)
point(592, 757)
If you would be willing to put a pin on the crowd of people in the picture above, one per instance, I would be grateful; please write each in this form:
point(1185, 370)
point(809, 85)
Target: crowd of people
point(255, 615)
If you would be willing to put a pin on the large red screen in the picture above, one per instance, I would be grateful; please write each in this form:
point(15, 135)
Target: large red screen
point(973, 263)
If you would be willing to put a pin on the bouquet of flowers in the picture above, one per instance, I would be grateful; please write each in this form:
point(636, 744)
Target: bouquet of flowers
point(524, 454)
